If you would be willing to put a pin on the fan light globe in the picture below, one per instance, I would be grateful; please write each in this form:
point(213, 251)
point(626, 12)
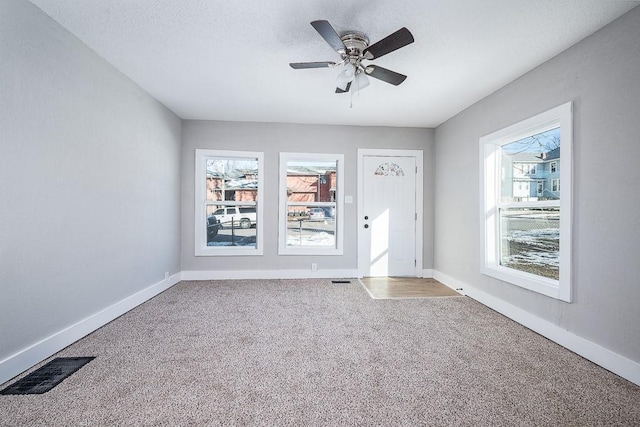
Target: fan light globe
point(346, 76)
point(362, 80)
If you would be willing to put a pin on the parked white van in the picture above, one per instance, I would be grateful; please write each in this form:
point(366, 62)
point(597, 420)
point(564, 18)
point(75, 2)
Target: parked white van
point(236, 216)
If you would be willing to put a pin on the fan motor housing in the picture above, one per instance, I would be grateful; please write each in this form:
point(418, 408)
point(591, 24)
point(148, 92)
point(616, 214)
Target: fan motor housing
point(356, 43)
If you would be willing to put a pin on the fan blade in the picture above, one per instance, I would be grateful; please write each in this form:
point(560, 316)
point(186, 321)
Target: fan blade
point(392, 42)
point(303, 65)
point(384, 74)
point(329, 34)
point(338, 90)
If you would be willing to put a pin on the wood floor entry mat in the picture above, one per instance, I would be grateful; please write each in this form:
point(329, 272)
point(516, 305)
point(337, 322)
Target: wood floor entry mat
point(405, 287)
point(48, 376)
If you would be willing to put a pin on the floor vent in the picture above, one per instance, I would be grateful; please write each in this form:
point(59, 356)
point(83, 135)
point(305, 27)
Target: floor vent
point(48, 376)
point(341, 281)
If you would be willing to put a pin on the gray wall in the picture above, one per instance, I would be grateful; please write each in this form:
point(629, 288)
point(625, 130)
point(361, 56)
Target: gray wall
point(90, 181)
point(601, 75)
point(272, 138)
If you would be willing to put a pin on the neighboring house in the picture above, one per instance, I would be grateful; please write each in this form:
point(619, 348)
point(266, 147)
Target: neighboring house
point(533, 176)
point(239, 187)
point(552, 174)
point(305, 184)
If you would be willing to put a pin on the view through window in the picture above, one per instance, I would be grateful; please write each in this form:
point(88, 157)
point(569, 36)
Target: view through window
point(232, 194)
point(229, 211)
point(310, 212)
point(526, 217)
point(530, 234)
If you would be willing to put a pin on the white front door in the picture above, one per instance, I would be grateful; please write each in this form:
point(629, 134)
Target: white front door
point(388, 225)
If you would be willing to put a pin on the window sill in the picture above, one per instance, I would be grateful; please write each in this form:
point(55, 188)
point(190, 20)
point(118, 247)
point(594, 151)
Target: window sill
point(218, 251)
point(310, 251)
point(532, 282)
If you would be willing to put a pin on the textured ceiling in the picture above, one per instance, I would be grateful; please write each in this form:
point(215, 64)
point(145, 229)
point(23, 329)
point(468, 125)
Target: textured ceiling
point(228, 59)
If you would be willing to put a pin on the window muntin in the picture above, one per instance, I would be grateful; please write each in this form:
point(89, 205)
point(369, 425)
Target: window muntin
point(311, 203)
point(527, 224)
point(228, 206)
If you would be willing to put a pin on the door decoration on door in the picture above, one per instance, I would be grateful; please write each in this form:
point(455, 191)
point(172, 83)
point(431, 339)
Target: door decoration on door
point(389, 169)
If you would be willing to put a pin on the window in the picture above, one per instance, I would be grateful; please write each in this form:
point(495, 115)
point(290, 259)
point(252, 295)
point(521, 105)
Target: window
point(228, 218)
point(523, 169)
point(311, 204)
point(526, 238)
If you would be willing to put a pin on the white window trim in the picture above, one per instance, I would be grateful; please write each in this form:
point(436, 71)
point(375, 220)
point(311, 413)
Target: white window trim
point(283, 249)
point(490, 164)
point(201, 248)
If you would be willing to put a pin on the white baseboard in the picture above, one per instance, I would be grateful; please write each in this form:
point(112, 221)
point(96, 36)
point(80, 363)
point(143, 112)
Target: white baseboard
point(599, 355)
point(268, 274)
point(454, 284)
point(34, 354)
point(427, 273)
point(24, 359)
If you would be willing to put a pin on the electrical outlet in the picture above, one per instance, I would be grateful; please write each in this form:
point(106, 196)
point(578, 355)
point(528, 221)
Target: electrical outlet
point(314, 266)
point(166, 275)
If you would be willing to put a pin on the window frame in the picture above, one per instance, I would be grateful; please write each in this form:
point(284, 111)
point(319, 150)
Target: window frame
point(283, 204)
point(201, 203)
point(490, 203)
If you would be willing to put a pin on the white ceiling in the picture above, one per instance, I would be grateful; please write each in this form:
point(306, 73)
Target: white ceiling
point(228, 59)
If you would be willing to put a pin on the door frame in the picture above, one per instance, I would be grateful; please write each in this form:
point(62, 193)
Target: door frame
point(418, 156)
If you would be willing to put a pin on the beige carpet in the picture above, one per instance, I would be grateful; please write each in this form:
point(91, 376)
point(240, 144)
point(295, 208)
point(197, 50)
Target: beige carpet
point(406, 287)
point(310, 352)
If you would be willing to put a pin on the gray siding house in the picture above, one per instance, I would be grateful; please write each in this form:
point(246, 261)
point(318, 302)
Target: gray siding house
point(531, 176)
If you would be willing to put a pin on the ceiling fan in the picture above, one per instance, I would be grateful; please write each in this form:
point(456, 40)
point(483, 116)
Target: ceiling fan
point(353, 47)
